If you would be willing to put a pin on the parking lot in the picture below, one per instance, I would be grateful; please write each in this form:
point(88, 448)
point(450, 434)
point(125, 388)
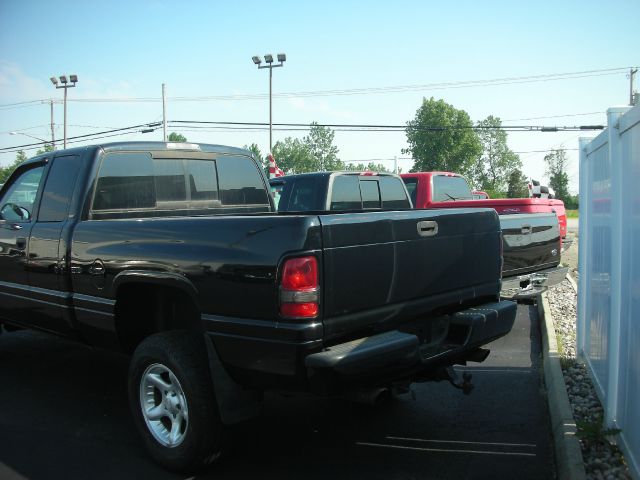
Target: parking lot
point(64, 414)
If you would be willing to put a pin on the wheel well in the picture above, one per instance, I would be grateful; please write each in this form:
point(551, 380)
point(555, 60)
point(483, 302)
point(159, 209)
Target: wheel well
point(144, 309)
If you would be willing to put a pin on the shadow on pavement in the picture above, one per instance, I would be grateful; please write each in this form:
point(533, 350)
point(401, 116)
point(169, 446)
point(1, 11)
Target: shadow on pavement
point(64, 414)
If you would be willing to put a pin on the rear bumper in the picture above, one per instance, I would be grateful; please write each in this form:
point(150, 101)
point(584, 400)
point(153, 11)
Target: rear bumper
point(398, 354)
point(526, 287)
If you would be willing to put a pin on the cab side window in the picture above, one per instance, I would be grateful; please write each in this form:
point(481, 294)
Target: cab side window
point(58, 189)
point(17, 204)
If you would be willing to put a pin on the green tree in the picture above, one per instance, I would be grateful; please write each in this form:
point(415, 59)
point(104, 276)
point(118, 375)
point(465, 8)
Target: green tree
point(293, 156)
point(492, 170)
point(176, 137)
point(572, 202)
point(255, 150)
point(319, 142)
point(441, 137)
point(47, 148)
point(5, 172)
point(557, 164)
point(361, 167)
point(517, 184)
point(315, 152)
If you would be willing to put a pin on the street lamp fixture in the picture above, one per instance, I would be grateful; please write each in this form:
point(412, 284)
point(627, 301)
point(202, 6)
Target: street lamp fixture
point(66, 84)
point(27, 135)
point(268, 59)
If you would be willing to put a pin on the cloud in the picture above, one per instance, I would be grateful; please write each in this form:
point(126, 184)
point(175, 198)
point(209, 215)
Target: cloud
point(16, 85)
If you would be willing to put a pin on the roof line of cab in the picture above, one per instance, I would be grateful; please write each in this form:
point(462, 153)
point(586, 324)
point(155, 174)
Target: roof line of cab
point(336, 172)
point(143, 146)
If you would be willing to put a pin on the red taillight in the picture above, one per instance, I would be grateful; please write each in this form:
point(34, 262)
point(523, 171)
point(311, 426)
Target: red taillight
point(299, 288)
point(300, 273)
point(306, 310)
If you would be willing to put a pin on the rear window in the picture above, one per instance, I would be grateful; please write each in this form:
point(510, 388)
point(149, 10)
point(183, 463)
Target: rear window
point(447, 189)
point(240, 182)
point(356, 192)
point(394, 196)
point(303, 195)
point(345, 193)
point(132, 184)
point(370, 194)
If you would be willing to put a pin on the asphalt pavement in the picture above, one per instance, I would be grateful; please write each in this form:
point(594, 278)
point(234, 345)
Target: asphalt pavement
point(64, 414)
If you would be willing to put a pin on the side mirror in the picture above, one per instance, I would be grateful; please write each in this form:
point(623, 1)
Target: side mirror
point(14, 212)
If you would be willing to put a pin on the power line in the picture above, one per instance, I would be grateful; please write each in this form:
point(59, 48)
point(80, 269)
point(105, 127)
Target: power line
point(383, 127)
point(364, 160)
point(378, 90)
point(554, 116)
point(356, 91)
point(249, 126)
point(194, 128)
point(24, 129)
point(80, 138)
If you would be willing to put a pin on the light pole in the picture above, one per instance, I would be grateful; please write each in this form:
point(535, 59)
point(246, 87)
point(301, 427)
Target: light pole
point(268, 59)
point(66, 85)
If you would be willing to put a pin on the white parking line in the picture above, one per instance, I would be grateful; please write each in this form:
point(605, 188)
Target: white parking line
point(530, 445)
point(445, 450)
point(522, 370)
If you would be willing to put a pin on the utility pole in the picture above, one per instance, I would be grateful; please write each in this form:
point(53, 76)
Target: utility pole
point(632, 76)
point(164, 114)
point(395, 164)
point(53, 135)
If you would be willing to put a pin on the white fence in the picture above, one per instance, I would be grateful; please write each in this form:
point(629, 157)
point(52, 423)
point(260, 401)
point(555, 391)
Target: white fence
point(609, 258)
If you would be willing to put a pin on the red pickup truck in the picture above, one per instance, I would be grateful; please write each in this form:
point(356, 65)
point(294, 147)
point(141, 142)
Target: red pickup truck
point(442, 189)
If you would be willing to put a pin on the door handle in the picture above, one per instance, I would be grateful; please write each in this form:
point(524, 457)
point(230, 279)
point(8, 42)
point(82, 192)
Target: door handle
point(427, 228)
point(526, 229)
point(15, 226)
point(97, 268)
point(21, 243)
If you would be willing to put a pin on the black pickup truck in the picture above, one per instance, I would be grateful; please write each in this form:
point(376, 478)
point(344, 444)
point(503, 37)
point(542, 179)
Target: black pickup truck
point(174, 253)
point(531, 242)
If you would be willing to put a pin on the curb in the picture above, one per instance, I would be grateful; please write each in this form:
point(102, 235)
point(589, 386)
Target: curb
point(573, 283)
point(569, 461)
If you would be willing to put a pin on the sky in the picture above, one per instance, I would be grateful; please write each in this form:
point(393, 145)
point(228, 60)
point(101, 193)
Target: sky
point(123, 51)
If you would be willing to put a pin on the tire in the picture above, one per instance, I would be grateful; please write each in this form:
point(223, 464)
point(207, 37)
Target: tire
point(173, 401)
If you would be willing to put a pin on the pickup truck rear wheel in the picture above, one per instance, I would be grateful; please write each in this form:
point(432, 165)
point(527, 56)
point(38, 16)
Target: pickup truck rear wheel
point(173, 401)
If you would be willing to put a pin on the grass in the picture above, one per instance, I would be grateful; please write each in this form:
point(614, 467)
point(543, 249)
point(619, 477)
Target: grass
point(572, 213)
point(592, 431)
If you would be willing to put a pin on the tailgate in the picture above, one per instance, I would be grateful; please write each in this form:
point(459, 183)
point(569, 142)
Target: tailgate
point(381, 261)
point(531, 242)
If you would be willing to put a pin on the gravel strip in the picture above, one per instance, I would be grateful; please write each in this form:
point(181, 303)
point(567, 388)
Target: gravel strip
point(603, 460)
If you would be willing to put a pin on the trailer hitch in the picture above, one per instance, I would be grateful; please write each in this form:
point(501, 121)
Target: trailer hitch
point(463, 383)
